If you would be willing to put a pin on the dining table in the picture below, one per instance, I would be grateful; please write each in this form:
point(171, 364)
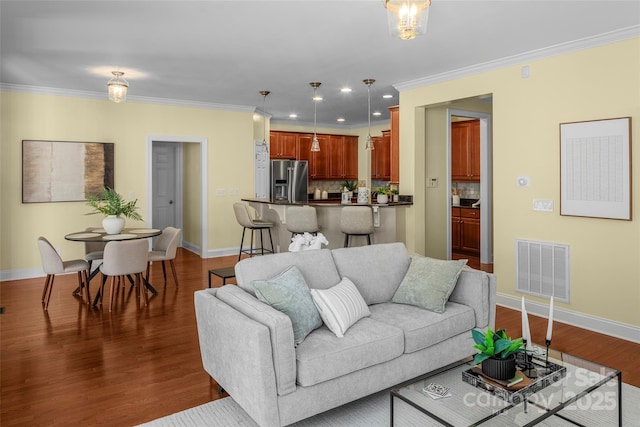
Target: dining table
point(101, 236)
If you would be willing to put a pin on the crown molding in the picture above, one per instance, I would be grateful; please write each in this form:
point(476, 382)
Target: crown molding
point(41, 90)
point(547, 52)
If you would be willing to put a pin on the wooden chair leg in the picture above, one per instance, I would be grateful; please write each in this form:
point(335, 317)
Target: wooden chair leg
point(46, 286)
point(113, 280)
point(49, 288)
point(173, 270)
point(164, 272)
point(143, 290)
point(104, 280)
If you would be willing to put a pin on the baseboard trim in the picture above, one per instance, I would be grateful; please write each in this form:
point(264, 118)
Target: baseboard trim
point(574, 318)
point(24, 273)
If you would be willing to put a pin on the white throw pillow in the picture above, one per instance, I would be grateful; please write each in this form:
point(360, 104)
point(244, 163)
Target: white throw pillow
point(340, 306)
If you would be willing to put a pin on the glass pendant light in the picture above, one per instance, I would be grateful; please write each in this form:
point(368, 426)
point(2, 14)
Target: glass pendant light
point(369, 144)
point(407, 18)
point(315, 145)
point(264, 94)
point(117, 87)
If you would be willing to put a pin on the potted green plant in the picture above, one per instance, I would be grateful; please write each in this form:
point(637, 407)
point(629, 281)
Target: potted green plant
point(382, 194)
point(496, 353)
point(113, 206)
point(350, 185)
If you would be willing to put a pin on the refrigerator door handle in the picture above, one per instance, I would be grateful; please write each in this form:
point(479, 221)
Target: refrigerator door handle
point(290, 184)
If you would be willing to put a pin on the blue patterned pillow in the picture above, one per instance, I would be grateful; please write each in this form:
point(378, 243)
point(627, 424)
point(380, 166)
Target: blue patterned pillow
point(289, 293)
point(429, 283)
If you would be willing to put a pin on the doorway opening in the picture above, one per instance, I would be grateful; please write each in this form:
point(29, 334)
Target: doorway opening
point(167, 192)
point(484, 195)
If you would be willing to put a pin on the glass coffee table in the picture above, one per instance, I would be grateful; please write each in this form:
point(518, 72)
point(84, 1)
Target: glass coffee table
point(578, 393)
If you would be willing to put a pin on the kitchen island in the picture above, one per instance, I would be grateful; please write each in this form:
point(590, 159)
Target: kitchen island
point(328, 212)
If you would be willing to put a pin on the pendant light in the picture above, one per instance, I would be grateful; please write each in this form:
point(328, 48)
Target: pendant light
point(407, 18)
point(315, 145)
point(369, 144)
point(117, 87)
point(264, 94)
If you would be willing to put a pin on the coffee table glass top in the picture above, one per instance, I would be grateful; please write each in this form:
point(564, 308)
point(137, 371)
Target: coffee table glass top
point(587, 388)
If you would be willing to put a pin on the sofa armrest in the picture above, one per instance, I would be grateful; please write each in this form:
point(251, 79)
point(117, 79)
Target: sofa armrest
point(236, 352)
point(477, 289)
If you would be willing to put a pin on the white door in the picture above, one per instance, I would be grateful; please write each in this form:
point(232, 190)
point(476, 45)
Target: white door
point(261, 171)
point(166, 196)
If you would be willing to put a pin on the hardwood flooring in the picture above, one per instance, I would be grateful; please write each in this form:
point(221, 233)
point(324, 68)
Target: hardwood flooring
point(78, 365)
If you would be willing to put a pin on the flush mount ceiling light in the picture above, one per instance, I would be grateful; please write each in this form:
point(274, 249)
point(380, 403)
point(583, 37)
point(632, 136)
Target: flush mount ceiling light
point(407, 18)
point(264, 94)
point(315, 145)
point(369, 144)
point(117, 87)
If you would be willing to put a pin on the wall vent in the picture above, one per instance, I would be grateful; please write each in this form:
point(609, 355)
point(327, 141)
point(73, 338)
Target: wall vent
point(542, 269)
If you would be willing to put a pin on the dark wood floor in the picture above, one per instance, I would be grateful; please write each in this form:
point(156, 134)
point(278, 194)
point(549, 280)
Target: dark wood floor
point(77, 365)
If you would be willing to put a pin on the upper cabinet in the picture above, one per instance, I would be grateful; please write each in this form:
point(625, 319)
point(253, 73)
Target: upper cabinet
point(343, 157)
point(395, 144)
point(465, 151)
point(381, 157)
point(337, 158)
point(282, 145)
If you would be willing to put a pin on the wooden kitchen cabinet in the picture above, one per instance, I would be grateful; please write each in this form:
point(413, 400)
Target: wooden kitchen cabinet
point(282, 145)
point(394, 163)
point(343, 157)
point(318, 160)
point(465, 151)
point(381, 157)
point(465, 230)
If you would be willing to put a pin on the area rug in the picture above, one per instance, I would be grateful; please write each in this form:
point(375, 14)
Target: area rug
point(373, 411)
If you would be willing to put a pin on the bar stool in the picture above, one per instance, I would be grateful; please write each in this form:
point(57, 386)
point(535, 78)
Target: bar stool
point(246, 221)
point(302, 219)
point(356, 221)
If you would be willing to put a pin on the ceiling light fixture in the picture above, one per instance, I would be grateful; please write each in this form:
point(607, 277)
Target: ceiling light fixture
point(369, 144)
point(315, 145)
point(407, 18)
point(117, 87)
point(264, 94)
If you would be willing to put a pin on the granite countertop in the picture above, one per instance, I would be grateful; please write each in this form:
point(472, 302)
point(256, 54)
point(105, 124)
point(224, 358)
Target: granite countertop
point(331, 202)
point(466, 203)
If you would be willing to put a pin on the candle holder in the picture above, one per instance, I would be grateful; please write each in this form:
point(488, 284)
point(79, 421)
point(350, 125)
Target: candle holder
point(527, 366)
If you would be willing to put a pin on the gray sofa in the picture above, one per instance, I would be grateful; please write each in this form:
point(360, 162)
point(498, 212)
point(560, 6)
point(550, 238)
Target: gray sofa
point(248, 347)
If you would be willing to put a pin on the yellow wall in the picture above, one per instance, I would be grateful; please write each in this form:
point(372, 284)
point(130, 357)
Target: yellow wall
point(191, 226)
point(33, 116)
point(596, 83)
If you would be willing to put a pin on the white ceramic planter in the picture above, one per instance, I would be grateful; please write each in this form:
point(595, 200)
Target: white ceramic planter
point(383, 199)
point(113, 224)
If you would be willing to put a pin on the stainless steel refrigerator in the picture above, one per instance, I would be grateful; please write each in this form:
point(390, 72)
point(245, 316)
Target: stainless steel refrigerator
point(289, 180)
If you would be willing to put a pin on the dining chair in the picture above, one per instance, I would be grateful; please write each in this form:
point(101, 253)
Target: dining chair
point(121, 259)
point(53, 264)
point(164, 249)
point(93, 251)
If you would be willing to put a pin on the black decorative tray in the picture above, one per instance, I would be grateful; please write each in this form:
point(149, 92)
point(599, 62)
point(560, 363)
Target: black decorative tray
point(554, 373)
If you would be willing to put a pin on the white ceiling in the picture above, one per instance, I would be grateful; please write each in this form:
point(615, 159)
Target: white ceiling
point(222, 53)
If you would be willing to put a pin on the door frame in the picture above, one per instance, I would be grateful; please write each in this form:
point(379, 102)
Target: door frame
point(486, 183)
point(203, 143)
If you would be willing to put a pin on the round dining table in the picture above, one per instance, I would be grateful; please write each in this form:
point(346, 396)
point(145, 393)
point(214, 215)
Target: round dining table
point(100, 235)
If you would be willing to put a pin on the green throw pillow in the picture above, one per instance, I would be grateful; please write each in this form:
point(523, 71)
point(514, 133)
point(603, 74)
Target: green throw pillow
point(289, 293)
point(429, 283)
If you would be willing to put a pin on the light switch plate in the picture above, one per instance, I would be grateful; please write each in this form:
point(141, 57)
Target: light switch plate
point(220, 192)
point(543, 205)
point(432, 182)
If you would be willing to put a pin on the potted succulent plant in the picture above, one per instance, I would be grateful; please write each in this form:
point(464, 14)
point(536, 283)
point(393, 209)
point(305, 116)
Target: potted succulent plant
point(496, 353)
point(382, 194)
point(112, 205)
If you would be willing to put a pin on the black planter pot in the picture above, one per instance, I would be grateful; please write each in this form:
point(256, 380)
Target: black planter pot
point(500, 369)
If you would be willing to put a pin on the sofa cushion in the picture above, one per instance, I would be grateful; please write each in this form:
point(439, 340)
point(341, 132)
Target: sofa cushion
point(376, 270)
point(317, 267)
point(428, 283)
point(340, 306)
point(289, 293)
point(280, 332)
point(323, 356)
point(424, 328)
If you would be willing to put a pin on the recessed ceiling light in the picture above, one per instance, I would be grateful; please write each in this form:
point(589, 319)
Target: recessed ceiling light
point(293, 116)
point(345, 90)
point(387, 96)
point(377, 113)
point(340, 119)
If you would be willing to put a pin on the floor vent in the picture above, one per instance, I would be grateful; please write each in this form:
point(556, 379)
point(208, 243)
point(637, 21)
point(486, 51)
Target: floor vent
point(542, 269)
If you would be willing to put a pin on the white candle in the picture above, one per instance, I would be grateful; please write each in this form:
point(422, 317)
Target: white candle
point(526, 334)
point(550, 324)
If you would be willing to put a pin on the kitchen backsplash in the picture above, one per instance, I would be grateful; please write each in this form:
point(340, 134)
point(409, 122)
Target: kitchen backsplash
point(468, 190)
point(336, 186)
